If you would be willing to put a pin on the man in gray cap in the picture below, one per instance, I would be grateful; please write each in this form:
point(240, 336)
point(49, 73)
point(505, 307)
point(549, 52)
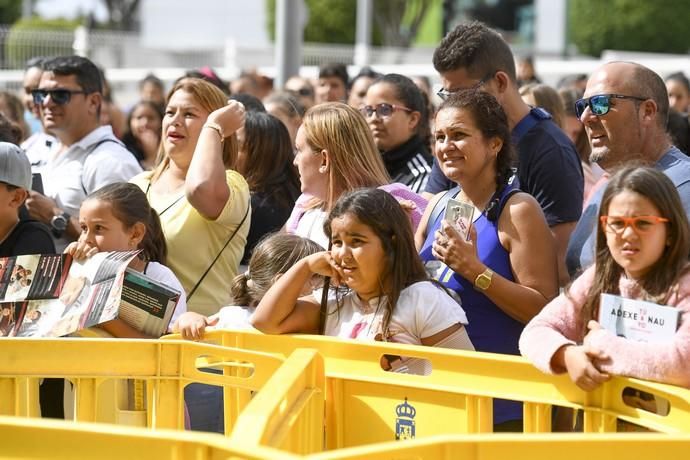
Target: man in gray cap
point(18, 237)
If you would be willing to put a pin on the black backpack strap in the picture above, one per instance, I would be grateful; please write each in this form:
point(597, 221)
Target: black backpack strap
point(198, 283)
point(91, 149)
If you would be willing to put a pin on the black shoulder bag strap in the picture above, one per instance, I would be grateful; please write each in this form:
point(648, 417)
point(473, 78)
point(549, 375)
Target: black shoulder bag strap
point(323, 311)
point(198, 283)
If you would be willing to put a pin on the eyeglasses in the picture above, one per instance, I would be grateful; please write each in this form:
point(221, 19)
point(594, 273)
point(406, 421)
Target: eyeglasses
point(301, 92)
point(600, 104)
point(640, 224)
point(445, 93)
point(383, 110)
point(59, 96)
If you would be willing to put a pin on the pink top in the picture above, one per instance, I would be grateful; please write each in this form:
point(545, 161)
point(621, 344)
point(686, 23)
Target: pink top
point(401, 192)
point(560, 323)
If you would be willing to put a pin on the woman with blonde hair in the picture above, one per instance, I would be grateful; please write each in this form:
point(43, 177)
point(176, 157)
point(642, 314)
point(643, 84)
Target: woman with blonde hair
point(202, 202)
point(335, 153)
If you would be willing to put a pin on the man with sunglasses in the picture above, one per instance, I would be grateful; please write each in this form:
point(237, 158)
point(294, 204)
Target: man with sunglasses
point(85, 157)
point(624, 111)
point(548, 167)
point(39, 143)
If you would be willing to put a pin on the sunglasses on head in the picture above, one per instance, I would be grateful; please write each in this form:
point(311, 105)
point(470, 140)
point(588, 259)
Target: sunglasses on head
point(382, 110)
point(445, 94)
point(600, 104)
point(59, 96)
point(640, 224)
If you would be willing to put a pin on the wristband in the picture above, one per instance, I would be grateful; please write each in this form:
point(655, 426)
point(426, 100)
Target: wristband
point(216, 127)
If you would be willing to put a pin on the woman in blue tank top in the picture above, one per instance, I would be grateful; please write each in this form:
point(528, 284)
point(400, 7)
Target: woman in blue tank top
point(504, 272)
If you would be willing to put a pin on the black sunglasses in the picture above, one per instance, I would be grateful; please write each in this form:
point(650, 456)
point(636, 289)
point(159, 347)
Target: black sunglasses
point(600, 104)
point(59, 96)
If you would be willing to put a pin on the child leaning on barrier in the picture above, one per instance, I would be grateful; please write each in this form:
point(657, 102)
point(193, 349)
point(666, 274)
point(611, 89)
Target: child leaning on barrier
point(643, 241)
point(271, 258)
point(118, 217)
point(389, 295)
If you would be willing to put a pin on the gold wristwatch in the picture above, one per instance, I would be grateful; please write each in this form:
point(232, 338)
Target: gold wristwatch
point(483, 280)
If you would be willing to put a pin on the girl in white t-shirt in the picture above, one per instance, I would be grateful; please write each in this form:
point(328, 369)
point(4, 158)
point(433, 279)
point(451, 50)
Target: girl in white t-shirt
point(118, 217)
point(270, 259)
point(389, 295)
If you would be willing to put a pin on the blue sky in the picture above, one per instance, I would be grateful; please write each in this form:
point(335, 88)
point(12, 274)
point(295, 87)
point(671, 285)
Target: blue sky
point(70, 8)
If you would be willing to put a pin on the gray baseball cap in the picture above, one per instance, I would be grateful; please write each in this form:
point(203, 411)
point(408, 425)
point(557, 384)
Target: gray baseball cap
point(15, 168)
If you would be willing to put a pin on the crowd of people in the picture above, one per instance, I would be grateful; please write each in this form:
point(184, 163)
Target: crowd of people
point(320, 207)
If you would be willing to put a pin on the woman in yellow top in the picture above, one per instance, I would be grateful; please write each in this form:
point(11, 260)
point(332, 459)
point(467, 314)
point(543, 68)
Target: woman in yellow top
point(202, 202)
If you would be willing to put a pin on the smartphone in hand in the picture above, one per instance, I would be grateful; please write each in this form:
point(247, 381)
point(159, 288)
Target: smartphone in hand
point(37, 183)
point(459, 214)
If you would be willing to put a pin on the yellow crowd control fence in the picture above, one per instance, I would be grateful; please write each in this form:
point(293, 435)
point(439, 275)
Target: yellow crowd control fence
point(365, 404)
point(100, 371)
point(523, 447)
point(38, 439)
point(31, 439)
point(320, 395)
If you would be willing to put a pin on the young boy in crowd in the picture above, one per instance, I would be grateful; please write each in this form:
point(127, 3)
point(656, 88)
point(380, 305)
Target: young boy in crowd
point(25, 236)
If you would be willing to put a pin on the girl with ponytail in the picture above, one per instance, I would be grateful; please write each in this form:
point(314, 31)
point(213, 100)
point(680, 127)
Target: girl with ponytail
point(271, 258)
point(118, 217)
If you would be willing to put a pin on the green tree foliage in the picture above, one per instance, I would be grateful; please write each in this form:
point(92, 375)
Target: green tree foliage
point(10, 11)
point(330, 21)
point(399, 20)
point(629, 25)
point(396, 22)
point(31, 37)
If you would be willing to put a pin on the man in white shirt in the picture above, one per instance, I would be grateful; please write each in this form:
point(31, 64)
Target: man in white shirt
point(38, 144)
point(85, 157)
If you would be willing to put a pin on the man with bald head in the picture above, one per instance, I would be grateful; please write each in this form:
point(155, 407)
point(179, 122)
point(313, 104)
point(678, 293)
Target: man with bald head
point(624, 111)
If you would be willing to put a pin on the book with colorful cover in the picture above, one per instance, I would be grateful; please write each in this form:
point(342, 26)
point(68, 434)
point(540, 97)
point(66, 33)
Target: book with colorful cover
point(54, 295)
point(147, 304)
point(638, 320)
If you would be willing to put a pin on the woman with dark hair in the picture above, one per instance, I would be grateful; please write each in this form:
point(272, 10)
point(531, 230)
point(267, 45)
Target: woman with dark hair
point(359, 86)
point(143, 134)
point(398, 117)
point(265, 160)
point(505, 270)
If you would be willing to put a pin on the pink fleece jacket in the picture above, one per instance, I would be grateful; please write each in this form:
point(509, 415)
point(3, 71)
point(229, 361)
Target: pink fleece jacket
point(560, 323)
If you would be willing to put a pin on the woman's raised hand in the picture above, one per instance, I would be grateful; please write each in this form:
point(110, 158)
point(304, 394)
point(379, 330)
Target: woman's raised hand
point(230, 118)
point(459, 254)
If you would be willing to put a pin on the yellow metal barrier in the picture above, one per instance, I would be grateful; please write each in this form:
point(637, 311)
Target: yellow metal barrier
point(288, 412)
point(165, 367)
point(37, 439)
point(312, 393)
point(523, 447)
point(58, 440)
point(366, 405)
